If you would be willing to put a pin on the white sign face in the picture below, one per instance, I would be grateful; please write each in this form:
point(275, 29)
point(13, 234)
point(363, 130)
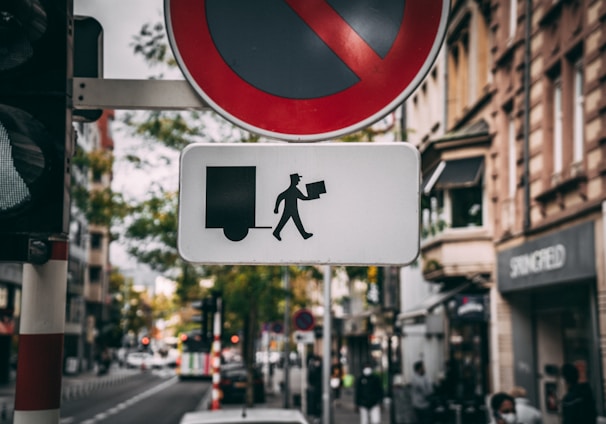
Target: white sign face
point(304, 337)
point(326, 203)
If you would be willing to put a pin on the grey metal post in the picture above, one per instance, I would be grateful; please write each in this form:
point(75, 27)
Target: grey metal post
point(327, 343)
point(286, 403)
point(304, 399)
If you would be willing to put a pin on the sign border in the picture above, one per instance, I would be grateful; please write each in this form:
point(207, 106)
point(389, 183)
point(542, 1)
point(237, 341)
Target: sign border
point(300, 312)
point(343, 124)
point(398, 164)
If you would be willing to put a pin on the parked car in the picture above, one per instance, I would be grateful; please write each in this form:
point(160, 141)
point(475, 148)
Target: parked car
point(139, 360)
point(250, 416)
point(234, 381)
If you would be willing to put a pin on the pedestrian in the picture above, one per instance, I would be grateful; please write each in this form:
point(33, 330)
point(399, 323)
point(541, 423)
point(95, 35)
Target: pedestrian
point(578, 404)
point(368, 396)
point(314, 381)
point(503, 409)
point(422, 389)
point(104, 361)
point(336, 376)
point(525, 412)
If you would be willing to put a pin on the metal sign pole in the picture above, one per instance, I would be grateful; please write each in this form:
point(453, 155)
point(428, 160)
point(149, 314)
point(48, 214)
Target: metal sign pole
point(216, 355)
point(287, 319)
point(327, 342)
point(303, 354)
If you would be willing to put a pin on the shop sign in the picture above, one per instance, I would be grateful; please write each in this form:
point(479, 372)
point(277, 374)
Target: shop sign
point(469, 307)
point(557, 258)
point(537, 261)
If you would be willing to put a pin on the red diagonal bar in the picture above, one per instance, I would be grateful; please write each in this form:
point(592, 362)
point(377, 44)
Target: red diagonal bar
point(338, 35)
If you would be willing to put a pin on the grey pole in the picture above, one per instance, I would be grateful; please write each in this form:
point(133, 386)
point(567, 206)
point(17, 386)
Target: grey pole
point(327, 343)
point(286, 340)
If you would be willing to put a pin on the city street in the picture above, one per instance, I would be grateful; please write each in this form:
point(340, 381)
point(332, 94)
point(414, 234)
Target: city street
point(147, 397)
point(122, 396)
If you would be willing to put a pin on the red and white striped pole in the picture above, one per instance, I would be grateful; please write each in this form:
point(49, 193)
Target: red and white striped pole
point(216, 359)
point(41, 333)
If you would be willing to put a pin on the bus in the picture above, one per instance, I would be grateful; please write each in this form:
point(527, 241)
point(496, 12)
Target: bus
point(194, 356)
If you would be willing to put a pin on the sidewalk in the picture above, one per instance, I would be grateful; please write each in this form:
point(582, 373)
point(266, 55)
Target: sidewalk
point(72, 387)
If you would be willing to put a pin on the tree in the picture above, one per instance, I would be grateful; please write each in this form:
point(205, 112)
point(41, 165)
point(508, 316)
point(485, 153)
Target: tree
point(134, 309)
point(101, 206)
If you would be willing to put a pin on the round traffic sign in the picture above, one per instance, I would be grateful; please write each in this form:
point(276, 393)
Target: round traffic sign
point(304, 320)
point(277, 327)
point(305, 70)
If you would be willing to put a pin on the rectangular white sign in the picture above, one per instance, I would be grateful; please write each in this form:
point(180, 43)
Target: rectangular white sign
point(321, 203)
point(304, 337)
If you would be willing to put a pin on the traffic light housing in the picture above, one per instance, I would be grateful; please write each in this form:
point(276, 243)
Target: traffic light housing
point(36, 135)
point(206, 307)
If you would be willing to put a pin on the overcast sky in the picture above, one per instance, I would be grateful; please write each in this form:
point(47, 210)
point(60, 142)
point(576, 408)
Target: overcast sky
point(121, 20)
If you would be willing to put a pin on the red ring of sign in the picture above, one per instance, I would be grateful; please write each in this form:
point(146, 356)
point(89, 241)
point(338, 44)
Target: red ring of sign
point(304, 320)
point(379, 91)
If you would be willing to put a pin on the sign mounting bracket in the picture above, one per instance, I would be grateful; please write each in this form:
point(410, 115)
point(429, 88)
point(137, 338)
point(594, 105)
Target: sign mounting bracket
point(129, 94)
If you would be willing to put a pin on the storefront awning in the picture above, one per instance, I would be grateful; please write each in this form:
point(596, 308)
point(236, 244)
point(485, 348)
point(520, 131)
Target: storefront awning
point(456, 173)
point(432, 302)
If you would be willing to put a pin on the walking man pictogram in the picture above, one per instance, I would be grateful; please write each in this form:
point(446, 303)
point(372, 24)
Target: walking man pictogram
point(290, 196)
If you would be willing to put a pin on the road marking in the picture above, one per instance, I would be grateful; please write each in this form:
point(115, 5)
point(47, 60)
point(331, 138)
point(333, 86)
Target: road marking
point(123, 405)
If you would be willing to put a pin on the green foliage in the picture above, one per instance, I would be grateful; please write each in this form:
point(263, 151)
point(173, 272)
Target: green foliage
point(240, 284)
point(105, 206)
point(152, 232)
point(188, 287)
point(150, 44)
point(357, 272)
point(130, 311)
point(173, 129)
point(101, 206)
point(99, 162)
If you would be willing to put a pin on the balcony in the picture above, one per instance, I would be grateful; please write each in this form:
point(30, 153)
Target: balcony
point(456, 253)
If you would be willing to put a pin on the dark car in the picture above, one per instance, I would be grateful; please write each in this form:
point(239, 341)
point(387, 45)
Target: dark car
point(233, 383)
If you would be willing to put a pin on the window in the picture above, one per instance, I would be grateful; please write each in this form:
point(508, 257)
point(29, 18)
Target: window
point(433, 220)
point(97, 176)
point(577, 135)
point(95, 240)
point(513, 18)
point(557, 126)
point(95, 274)
point(511, 143)
point(75, 233)
point(465, 206)
point(453, 196)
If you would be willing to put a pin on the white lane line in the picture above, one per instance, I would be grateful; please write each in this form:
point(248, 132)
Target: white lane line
point(123, 405)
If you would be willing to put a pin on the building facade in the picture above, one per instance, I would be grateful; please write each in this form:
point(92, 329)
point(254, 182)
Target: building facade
point(550, 127)
point(449, 118)
point(513, 197)
point(88, 266)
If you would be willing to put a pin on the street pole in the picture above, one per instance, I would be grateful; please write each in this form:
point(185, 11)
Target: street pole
point(303, 355)
point(216, 359)
point(41, 334)
point(327, 342)
point(286, 340)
